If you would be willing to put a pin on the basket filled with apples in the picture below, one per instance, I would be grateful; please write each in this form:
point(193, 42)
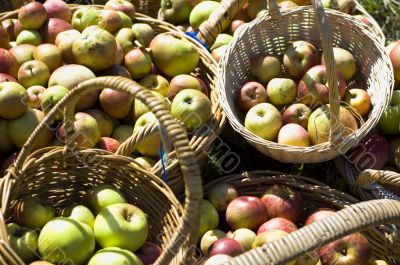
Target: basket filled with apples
point(241, 213)
point(68, 44)
point(299, 86)
point(90, 206)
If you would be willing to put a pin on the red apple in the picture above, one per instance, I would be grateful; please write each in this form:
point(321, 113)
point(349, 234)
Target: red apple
point(313, 87)
point(294, 135)
point(57, 9)
point(7, 78)
point(277, 223)
point(251, 94)
point(283, 201)
point(52, 27)
point(297, 113)
point(319, 215)
point(108, 144)
point(353, 249)
point(299, 57)
point(121, 5)
point(34, 94)
point(246, 212)
point(227, 246)
point(109, 20)
point(184, 81)
point(8, 63)
point(148, 253)
point(395, 59)
point(18, 28)
point(372, 152)
point(32, 15)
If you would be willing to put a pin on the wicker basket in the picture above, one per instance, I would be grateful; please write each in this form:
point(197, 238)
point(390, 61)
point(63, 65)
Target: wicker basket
point(271, 34)
point(201, 140)
point(315, 195)
point(63, 175)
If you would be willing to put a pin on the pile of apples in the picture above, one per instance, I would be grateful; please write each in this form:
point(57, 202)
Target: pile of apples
point(104, 230)
point(288, 100)
point(254, 221)
point(49, 50)
point(188, 15)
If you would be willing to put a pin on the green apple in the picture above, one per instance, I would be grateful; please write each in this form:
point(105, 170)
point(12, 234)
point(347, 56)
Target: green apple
point(105, 122)
point(209, 218)
point(23, 52)
point(50, 54)
point(102, 196)
point(80, 213)
point(209, 238)
point(140, 108)
point(126, 37)
point(31, 213)
point(389, 122)
point(222, 39)
point(64, 41)
point(281, 91)
point(12, 100)
point(6, 144)
point(191, 107)
point(34, 95)
point(122, 132)
point(23, 241)
point(146, 162)
point(126, 21)
point(156, 83)
point(64, 239)
point(176, 11)
point(144, 32)
point(245, 237)
point(84, 17)
point(51, 97)
point(29, 36)
point(345, 62)
point(150, 145)
point(114, 256)
point(221, 195)
point(264, 120)
point(33, 73)
point(201, 12)
point(269, 236)
point(21, 128)
point(121, 225)
point(138, 62)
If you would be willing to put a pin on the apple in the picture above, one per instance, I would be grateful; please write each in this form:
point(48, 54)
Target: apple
point(79, 213)
point(115, 70)
point(4, 38)
point(299, 57)
point(145, 162)
point(294, 135)
point(49, 54)
point(70, 76)
point(184, 81)
point(209, 218)
point(127, 39)
point(149, 253)
point(150, 145)
point(115, 103)
point(176, 11)
point(209, 238)
point(319, 214)
point(108, 144)
point(143, 32)
point(57, 9)
point(235, 24)
point(221, 195)
point(6, 144)
point(310, 258)
point(23, 52)
point(122, 132)
point(29, 36)
point(126, 21)
point(201, 12)
point(22, 127)
point(388, 48)
point(138, 62)
point(313, 87)
point(105, 122)
point(173, 55)
point(18, 28)
point(33, 73)
point(218, 259)
point(9, 26)
point(115, 256)
point(250, 94)
point(389, 123)
point(191, 107)
point(352, 249)
point(371, 152)
point(7, 78)
point(264, 120)
point(265, 68)
point(283, 201)
point(66, 239)
point(297, 113)
point(8, 63)
point(359, 100)
point(121, 5)
point(109, 20)
point(34, 95)
point(41, 262)
point(51, 96)
point(287, 4)
point(12, 100)
point(393, 157)
point(222, 39)
point(345, 62)
point(84, 17)
point(64, 41)
point(277, 223)
point(139, 108)
point(117, 224)
point(53, 27)
point(31, 213)
point(23, 241)
point(86, 131)
point(319, 124)
point(219, 52)
point(245, 237)
point(155, 82)
point(32, 15)
point(281, 91)
point(95, 48)
point(394, 56)
point(102, 196)
point(246, 212)
point(227, 246)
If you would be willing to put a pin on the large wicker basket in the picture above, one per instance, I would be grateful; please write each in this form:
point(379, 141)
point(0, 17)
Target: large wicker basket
point(316, 195)
point(62, 176)
point(201, 139)
point(271, 34)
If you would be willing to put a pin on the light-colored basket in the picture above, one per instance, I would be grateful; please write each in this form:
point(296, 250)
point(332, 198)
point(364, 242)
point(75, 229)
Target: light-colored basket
point(271, 34)
point(384, 240)
point(61, 176)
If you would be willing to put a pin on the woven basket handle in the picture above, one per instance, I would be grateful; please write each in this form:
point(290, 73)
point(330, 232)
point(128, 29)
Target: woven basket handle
point(352, 219)
point(129, 145)
point(370, 176)
point(177, 135)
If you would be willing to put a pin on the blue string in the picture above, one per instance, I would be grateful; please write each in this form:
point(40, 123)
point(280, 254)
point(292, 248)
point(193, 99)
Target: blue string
point(162, 156)
point(194, 36)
